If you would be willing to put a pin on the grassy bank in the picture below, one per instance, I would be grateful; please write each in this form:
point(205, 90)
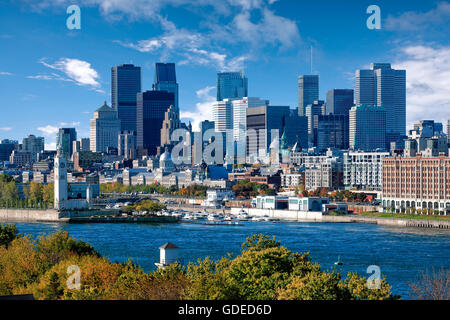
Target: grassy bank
point(404, 216)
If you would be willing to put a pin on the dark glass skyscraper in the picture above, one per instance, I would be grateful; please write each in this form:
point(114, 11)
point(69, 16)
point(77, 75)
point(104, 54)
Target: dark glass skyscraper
point(64, 140)
point(231, 85)
point(339, 101)
point(151, 107)
point(166, 80)
point(125, 84)
point(308, 92)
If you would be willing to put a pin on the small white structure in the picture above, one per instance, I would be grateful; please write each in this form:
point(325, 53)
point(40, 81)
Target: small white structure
point(215, 197)
point(168, 254)
point(307, 203)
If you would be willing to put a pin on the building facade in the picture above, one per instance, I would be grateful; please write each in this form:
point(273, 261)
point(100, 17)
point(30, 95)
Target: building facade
point(386, 87)
point(308, 92)
point(64, 140)
point(166, 80)
point(33, 144)
point(125, 84)
point(104, 129)
point(151, 108)
point(364, 170)
point(231, 85)
point(416, 184)
point(339, 101)
point(367, 128)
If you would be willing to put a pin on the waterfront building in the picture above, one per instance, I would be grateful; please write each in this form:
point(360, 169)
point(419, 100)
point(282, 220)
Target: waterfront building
point(307, 203)
point(292, 180)
point(339, 101)
point(33, 144)
point(416, 184)
point(151, 109)
point(364, 170)
point(125, 84)
point(308, 92)
point(64, 140)
point(328, 173)
point(166, 80)
point(231, 85)
point(127, 144)
point(331, 131)
point(386, 87)
point(6, 148)
point(367, 128)
point(104, 128)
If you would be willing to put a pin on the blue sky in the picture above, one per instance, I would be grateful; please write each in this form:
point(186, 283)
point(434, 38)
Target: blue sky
point(52, 77)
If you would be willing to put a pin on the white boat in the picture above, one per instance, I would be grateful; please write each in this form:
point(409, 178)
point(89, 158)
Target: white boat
point(188, 216)
point(257, 219)
point(267, 218)
point(214, 217)
point(242, 215)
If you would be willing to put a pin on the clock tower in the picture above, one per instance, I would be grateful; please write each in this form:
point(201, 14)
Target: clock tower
point(60, 180)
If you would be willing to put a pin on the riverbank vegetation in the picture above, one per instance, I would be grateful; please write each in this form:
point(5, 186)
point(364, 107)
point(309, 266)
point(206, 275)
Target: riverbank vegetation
point(245, 189)
point(33, 195)
point(264, 270)
point(144, 205)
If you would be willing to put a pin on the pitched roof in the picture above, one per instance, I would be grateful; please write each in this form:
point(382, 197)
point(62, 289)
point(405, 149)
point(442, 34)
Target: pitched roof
point(168, 245)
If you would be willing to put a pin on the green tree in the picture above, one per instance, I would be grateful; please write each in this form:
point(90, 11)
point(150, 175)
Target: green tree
point(8, 233)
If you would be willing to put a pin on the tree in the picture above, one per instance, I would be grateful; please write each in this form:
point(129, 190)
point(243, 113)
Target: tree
point(10, 192)
point(432, 285)
point(48, 193)
point(260, 242)
point(8, 233)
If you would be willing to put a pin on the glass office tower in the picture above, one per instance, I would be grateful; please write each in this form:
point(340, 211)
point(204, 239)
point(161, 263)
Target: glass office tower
point(166, 80)
point(231, 85)
point(125, 84)
point(308, 92)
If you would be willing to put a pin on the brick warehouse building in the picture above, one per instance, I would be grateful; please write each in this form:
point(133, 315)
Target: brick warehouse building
point(417, 183)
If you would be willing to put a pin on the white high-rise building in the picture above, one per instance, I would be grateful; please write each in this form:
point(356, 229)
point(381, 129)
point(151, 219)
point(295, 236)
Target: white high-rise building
point(240, 115)
point(104, 129)
point(385, 87)
point(223, 115)
point(364, 170)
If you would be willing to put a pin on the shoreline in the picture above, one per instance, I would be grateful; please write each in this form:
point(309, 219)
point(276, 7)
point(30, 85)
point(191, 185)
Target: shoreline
point(52, 215)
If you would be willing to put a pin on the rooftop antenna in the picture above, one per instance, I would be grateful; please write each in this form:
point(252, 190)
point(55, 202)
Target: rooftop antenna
point(311, 59)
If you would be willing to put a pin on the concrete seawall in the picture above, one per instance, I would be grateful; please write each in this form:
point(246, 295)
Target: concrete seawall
point(31, 215)
point(319, 217)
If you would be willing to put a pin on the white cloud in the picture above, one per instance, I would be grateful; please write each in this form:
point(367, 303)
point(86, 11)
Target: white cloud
point(203, 109)
point(48, 130)
point(76, 70)
point(50, 146)
point(69, 124)
point(5, 128)
point(4, 73)
point(419, 21)
point(427, 82)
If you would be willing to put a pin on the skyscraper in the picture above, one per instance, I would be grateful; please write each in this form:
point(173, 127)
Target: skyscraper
point(6, 148)
point(367, 130)
point(339, 101)
point(223, 115)
point(33, 144)
point(104, 129)
point(331, 131)
point(385, 87)
point(64, 140)
point(166, 79)
point(231, 85)
point(240, 115)
point(317, 108)
point(308, 92)
point(125, 84)
point(151, 108)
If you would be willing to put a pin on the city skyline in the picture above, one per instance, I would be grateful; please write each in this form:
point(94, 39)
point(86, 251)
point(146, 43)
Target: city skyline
point(66, 80)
